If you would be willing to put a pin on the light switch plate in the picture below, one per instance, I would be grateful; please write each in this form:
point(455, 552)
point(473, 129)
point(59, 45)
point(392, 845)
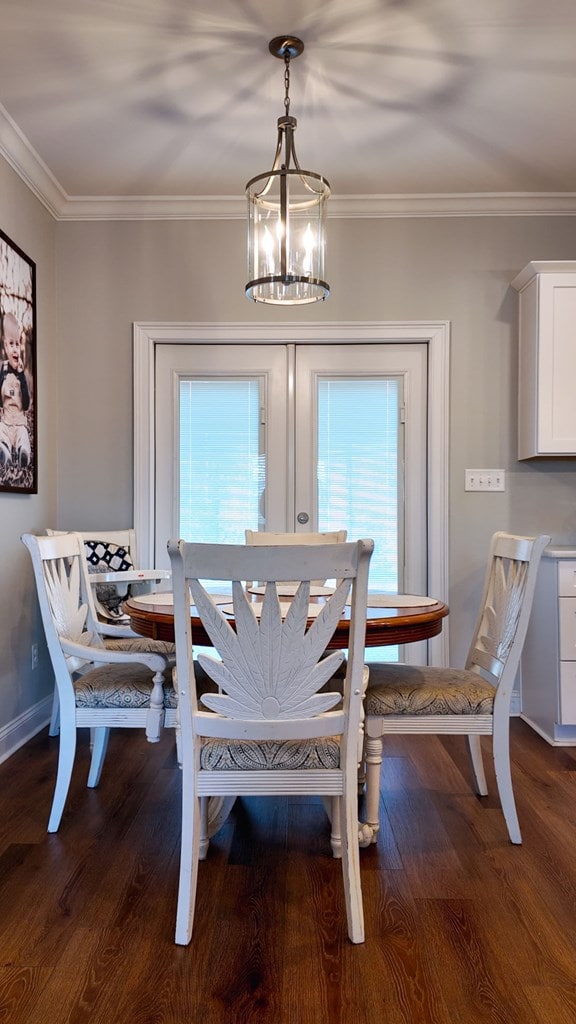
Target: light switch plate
point(485, 480)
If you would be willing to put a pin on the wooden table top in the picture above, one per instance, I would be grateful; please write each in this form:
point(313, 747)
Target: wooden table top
point(397, 624)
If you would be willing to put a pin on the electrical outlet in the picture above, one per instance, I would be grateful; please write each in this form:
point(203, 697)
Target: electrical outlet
point(485, 480)
point(34, 656)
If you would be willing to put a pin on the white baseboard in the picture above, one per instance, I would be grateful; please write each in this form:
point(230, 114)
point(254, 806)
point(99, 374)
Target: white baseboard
point(23, 728)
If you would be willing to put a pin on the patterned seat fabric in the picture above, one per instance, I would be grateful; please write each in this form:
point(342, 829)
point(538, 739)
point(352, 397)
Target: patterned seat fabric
point(416, 690)
point(279, 755)
point(141, 644)
point(122, 686)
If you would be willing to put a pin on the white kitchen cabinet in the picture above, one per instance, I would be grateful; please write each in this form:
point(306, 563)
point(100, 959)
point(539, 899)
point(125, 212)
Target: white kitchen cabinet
point(547, 359)
point(548, 676)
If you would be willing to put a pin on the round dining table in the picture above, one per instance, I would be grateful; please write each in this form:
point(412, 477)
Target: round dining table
point(392, 619)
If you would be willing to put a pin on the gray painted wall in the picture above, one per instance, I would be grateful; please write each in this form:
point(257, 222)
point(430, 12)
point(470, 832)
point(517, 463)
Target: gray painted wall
point(104, 276)
point(456, 269)
point(32, 228)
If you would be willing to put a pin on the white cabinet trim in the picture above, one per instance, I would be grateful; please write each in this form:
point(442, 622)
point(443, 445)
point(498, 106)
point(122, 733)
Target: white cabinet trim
point(546, 359)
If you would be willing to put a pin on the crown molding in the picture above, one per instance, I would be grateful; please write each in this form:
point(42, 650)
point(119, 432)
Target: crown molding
point(22, 157)
point(340, 207)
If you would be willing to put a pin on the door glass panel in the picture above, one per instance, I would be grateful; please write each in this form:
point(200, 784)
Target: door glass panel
point(358, 459)
point(220, 442)
point(357, 467)
point(222, 464)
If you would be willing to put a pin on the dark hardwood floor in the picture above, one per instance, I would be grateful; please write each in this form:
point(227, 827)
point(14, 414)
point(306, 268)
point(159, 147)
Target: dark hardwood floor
point(461, 926)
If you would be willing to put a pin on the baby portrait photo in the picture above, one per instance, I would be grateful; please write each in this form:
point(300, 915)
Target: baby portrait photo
point(18, 458)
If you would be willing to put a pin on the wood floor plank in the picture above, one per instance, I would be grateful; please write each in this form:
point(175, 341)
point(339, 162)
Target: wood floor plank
point(477, 987)
point(429, 861)
point(461, 926)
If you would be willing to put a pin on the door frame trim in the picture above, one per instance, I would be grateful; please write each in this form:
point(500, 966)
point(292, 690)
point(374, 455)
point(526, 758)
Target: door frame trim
point(436, 334)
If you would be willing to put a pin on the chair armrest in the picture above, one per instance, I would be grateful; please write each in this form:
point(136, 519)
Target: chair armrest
point(130, 576)
point(115, 631)
point(101, 655)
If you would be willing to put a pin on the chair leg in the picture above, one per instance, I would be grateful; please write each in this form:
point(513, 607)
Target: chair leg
point(477, 764)
point(336, 821)
point(204, 836)
point(361, 775)
point(188, 864)
point(501, 754)
point(361, 780)
point(373, 761)
point(155, 718)
point(66, 755)
point(100, 736)
point(54, 727)
point(178, 733)
point(351, 863)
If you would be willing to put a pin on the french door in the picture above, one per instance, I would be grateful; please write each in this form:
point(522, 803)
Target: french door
point(295, 437)
point(305, 394)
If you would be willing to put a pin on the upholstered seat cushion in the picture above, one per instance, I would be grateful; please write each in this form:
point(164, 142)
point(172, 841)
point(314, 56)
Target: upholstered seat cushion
point(420, 690)
point(276, 755)
point(141, 644)
point(120, 686)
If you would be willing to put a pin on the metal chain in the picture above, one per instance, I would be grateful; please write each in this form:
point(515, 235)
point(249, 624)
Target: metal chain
point(287, 81)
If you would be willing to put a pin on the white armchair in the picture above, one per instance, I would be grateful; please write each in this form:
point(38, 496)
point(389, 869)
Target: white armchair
point(96, 687)
point(278, 725)
point(111, 553)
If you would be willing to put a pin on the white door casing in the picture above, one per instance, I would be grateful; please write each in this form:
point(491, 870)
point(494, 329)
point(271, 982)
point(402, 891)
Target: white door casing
point(147, 338)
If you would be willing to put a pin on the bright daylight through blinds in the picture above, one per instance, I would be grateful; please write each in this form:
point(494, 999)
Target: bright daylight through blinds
point(222, 462)
point(358, 467)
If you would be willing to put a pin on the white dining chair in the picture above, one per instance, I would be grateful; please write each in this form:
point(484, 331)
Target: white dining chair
point(114, 546)
point(277, 726)
point(97, 688)
point(472, 701)
point(115, 570)
point(262, 537)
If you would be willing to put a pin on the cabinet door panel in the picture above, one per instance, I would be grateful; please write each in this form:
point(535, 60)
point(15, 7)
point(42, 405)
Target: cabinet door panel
point(567, 607)
point(567, 579)
point(568, 693)
point(547, 359)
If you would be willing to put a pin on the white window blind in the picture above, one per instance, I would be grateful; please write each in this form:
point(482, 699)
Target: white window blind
point(358, 467)
point(221, 459)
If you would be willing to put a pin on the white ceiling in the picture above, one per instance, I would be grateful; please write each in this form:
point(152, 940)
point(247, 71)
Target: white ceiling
point(170, 106)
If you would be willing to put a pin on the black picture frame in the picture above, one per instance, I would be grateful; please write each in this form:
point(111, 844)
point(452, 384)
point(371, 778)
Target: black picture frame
point(18, 382)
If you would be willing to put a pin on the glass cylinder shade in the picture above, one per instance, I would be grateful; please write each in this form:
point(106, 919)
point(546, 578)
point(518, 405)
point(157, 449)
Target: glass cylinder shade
point(287, 237)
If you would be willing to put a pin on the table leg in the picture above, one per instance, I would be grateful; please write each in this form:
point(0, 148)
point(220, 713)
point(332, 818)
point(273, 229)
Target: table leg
point(373, 762)
point(214, 811)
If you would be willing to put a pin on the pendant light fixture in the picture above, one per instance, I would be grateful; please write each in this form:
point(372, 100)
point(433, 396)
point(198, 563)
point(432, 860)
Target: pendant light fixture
point(287, 214)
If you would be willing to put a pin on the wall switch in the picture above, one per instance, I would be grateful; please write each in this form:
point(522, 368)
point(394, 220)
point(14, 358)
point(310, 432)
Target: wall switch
point(485, 480)
point(34, 656)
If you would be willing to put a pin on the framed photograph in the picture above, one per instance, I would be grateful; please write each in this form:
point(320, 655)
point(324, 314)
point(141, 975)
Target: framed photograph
point(18, 419)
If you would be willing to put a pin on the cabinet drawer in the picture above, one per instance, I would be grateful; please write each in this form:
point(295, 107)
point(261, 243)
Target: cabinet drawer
point(567, 608)
point(567, 578)
point(568, 693)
